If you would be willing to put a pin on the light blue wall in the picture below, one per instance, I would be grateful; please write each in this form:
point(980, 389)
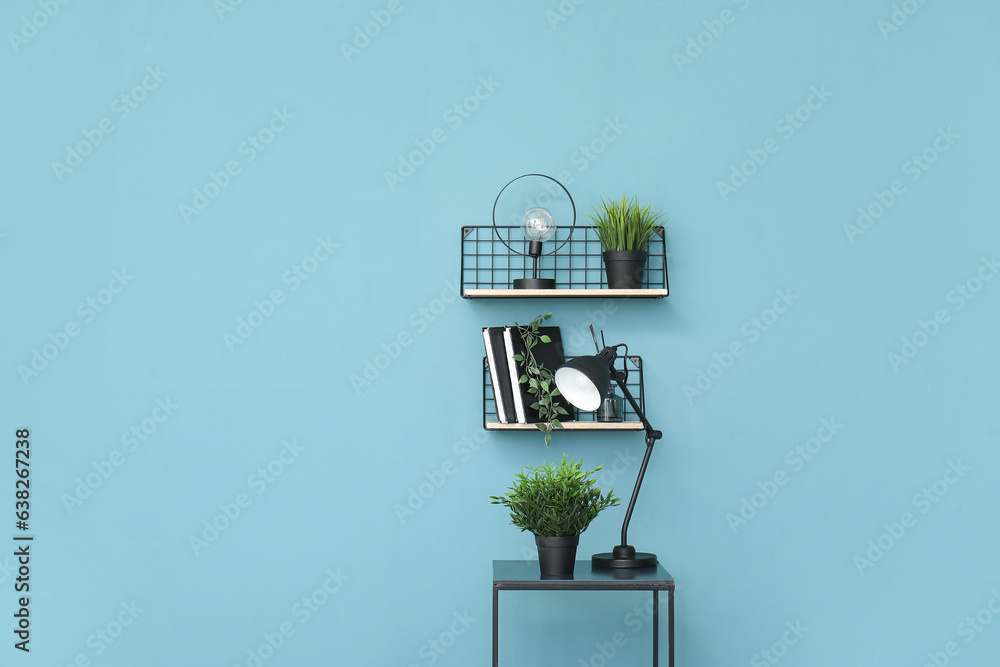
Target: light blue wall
point(557, 75)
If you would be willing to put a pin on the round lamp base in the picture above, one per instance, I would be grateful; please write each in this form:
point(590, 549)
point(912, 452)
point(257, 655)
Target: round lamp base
point(534, 283)
point(614, 561)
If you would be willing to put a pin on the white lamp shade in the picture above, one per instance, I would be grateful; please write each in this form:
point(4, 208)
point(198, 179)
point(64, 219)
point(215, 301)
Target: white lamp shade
point(584, 381)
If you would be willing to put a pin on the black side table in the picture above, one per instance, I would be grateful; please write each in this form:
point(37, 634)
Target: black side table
point(523, 575)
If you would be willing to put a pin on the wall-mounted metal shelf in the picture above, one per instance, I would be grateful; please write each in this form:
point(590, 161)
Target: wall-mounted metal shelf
point(489, 267)
point(569, 426)
point(581, 421)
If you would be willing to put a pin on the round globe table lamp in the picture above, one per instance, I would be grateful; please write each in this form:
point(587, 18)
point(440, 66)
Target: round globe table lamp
point(538, 226)
point(585, 381)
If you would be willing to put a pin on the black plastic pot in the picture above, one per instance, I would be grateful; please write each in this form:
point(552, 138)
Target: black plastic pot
point(624, 268)
point(557, 555)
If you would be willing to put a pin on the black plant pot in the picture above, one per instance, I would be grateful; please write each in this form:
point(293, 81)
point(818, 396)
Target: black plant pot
point(624, 268)
point(557, 555)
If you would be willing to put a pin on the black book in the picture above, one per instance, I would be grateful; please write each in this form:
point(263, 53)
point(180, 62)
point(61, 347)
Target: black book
point(550, 355)
point(496, 358)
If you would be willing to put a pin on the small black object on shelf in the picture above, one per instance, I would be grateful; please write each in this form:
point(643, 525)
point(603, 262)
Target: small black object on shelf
point(612, 407)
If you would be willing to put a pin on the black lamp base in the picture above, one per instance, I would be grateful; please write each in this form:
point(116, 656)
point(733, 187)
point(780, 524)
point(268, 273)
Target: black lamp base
point(534, 283)
point(623, 556)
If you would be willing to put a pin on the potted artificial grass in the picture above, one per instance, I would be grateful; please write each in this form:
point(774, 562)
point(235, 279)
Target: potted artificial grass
point(624, 229)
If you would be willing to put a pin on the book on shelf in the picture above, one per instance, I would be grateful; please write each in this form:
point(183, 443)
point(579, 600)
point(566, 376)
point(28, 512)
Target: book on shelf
point(496, 359)
point(550, 355)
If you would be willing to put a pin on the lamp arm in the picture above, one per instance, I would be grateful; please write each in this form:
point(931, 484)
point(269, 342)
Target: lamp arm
point(652, 435)
point(650, 431)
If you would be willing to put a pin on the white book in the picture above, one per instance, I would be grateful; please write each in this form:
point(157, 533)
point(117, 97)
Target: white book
point(503, 409)
point(514, 377)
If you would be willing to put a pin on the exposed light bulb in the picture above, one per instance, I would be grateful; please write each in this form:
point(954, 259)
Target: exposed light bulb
point(538, 224)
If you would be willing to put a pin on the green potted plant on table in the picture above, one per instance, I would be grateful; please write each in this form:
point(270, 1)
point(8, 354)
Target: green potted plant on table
point(556, 503)
point(624, 229)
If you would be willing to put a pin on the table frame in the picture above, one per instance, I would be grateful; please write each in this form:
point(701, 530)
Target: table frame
point(516, 576)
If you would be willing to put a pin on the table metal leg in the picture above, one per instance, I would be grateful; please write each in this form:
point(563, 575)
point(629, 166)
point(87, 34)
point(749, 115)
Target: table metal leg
point(670, 624)
point(656, 628)
point(496, 627)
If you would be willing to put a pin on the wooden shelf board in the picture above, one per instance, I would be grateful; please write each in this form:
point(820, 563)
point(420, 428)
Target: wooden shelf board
point(569, 426)
point(654, 293)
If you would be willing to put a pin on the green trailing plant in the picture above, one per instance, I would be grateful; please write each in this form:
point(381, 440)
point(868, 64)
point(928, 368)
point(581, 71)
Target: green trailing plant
point(624, 225)
point(540, 380)
point(555, 500)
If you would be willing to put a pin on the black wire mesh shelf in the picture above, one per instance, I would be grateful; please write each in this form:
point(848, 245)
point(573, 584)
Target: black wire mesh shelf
point(489, 267)
point(581, 421)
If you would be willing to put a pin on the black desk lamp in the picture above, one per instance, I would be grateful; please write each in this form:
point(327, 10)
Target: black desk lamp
point(585, 381)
